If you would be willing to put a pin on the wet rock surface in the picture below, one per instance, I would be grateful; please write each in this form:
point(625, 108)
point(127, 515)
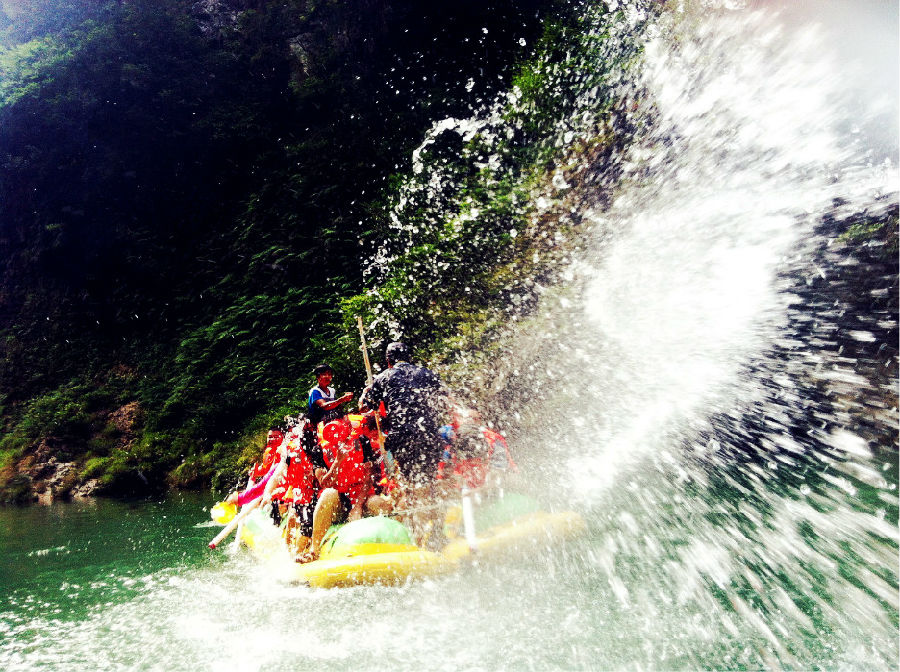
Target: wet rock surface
point(47, 473)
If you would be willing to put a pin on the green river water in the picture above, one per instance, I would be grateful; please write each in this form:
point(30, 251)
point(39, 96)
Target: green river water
point(671, 585)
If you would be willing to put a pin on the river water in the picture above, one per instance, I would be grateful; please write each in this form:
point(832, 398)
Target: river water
point(714, 388)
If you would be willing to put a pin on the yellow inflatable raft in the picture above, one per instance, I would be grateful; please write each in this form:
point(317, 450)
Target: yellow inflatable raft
point(380, 550)
point(367, 551)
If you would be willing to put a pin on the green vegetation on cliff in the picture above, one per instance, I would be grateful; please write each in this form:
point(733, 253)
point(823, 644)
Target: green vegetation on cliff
point(187, 192)
point(198, 198)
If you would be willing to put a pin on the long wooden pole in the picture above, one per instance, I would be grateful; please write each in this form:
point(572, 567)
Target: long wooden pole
point(369, 377)
point(365, 350)
point(392, 466)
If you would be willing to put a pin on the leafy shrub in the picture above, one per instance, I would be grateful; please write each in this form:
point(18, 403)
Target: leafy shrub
point(463, 237)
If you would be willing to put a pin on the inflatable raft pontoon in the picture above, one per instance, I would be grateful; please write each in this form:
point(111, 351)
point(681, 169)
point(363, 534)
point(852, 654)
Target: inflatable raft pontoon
point(380, 550)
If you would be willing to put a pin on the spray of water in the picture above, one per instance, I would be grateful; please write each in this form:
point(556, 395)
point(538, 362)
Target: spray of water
point(722, 390)
point(714, 216)
point(715, 379)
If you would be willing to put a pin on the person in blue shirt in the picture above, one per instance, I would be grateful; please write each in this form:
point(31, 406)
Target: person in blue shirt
point(322, 401)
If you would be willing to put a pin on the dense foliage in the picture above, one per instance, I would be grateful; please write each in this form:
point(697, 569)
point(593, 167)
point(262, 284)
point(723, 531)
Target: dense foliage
point(488, 214)
point(187, 191)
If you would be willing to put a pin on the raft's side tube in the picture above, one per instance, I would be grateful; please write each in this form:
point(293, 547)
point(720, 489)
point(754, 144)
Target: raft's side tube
point(380, 568)
point(520, 535)
point(375, 534)
point(380, 550)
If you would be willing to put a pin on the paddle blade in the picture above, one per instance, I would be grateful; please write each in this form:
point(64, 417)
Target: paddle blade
point(223, 512)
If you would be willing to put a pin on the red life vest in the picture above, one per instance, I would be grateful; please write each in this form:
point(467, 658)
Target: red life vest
point(473, 471)
point(269, 454)
point(366, 427)
point(298, 485)
point(354, 471)
point(493, 438)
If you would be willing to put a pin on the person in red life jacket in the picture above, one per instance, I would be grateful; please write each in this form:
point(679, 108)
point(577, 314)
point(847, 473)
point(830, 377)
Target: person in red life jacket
point(298, 491)
point(274, 437)
point(276, 447)
point(499, 454)
point(290, 485)
point(472, 453)
point(349, 466)
point(368, 434)
point(348, 488)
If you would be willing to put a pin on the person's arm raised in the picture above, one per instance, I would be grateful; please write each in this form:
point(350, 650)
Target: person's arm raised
point(331, 405)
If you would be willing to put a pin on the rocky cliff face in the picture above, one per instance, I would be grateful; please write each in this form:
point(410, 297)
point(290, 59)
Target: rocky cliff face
point(214, 17)
point(49, 471)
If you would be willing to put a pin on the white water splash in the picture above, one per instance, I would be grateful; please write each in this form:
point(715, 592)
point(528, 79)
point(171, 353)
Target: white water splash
point(747, 148)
